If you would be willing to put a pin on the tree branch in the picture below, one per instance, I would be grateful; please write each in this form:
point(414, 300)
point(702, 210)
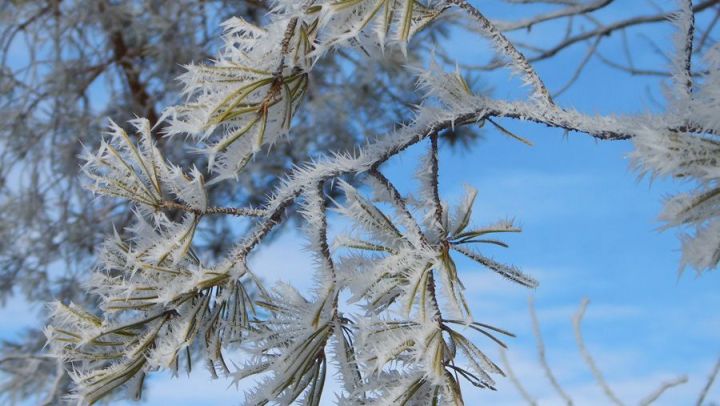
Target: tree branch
point(541, 353)
point(232, 211)
point(655, 395)
point(514, 379)
point(577, 319)
point(709, 383)
point(506, 47)
point(572, 10)
point(604, 31)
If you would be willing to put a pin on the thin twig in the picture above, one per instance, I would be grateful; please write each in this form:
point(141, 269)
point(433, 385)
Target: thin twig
point(687, 50)
point(590, 52)
point(570, 11)
point(655, 395)
point(54, 395)
point(507, 47)
point(514, 380)
point(541, 353)
point(231, 211)
point(605, 31)
point(399, 203)
point(708, 30)
point(438, 214)
point(435, 168)
point(588, 358)
point(317, 194)
point(709, 383)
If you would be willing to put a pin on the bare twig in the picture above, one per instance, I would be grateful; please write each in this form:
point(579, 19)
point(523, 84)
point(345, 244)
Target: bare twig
point(706, 35)
point(709, 383)
point(571, 10)
point(604, 30)
point(541, 353)
point(514, 379)
point(655, 395)
point(588, 55)
point(577, 319)
point(54, 395)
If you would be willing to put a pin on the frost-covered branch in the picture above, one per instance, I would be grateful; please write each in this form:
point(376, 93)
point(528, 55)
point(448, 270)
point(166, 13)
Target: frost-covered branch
point(685, 22)
point(230, 211)
point(388, 306)
point(519, 62)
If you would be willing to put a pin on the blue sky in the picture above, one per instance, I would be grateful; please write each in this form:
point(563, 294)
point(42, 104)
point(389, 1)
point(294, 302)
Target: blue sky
point(590, 230)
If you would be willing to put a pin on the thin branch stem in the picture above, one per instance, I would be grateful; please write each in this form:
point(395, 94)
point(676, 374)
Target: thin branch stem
point(687, 50)
point(576, 75)
point(54, 395)
point(655, 395)
point(519, 61)
point(570, 11)
point(437, 215)
point(435, 168)
point(633, 71)
point(514, 379)
point(541, 353)
point(322, 232)
point(605, 31)
point(231, 211)
point(709, 383)
point(399, 203)
point(708, 30)
point(577, 319)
